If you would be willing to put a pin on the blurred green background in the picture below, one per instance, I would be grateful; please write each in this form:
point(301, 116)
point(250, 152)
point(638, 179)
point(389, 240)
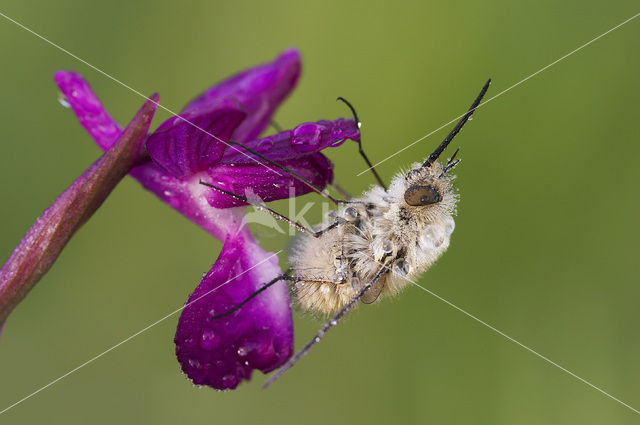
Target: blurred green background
point(545, 249)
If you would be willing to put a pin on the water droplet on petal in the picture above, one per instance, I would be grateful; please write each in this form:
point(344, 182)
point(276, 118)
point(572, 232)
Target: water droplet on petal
point(337, 136)
point(242, 351)
point(195, 363)
point(230, 380)
point(356, 283)
point(63, 100)
point(209, 340)
point(171, 199)
point(108, 129)
point(306, 137)
point(265, 145)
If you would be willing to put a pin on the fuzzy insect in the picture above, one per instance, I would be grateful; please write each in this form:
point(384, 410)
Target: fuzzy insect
point(375, 244)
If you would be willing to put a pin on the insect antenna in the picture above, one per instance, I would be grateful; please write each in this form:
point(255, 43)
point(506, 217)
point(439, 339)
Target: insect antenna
point(451, 163)
point(364, 156)
point(458, 127)
point(450, 160)
point(327, 326)
point(450, 166)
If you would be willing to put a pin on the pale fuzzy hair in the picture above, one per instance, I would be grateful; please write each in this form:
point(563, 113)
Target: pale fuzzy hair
point(417, 234)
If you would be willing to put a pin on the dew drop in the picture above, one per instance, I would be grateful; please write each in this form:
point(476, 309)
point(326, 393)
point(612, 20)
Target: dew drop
point(432, 237)
point(449, 226)
point(242, 351)
point(171, 199)
point(387, 247)
point(229, 380)
point(351, 214)
point(334, 322)
point(63, 100)
point(470, 117)
point(306, 137)
point(265, 145)
point(195, 363)
point(209, 340)
point(108, 129)
point(356, 283)
point(401, 268)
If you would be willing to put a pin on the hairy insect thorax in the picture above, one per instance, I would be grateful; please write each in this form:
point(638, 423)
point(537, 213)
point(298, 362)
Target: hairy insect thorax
point(403, 229)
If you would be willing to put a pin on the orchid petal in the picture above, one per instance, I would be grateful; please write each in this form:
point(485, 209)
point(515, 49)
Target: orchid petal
point(259, 90)
point(87, 107)
point(266, 182)
point(194, 140)
point(222, 352)
point(302, 140)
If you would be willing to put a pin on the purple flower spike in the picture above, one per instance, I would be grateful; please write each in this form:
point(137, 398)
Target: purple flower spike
point(222, 352)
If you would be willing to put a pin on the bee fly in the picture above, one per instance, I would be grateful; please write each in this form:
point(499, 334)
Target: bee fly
point(375, 245)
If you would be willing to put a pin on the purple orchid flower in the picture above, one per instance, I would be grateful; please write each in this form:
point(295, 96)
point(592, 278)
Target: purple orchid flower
point(192, 147)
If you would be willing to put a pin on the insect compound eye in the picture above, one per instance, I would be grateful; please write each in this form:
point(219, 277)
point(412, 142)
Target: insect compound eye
point(422, 195)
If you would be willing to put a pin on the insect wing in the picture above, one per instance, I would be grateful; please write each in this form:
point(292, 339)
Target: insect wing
point(373, 293)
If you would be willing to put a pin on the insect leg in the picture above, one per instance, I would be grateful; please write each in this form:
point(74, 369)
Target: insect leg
point(331, 323)
point(360, 150)
point(277, 215)
point(284, 276)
